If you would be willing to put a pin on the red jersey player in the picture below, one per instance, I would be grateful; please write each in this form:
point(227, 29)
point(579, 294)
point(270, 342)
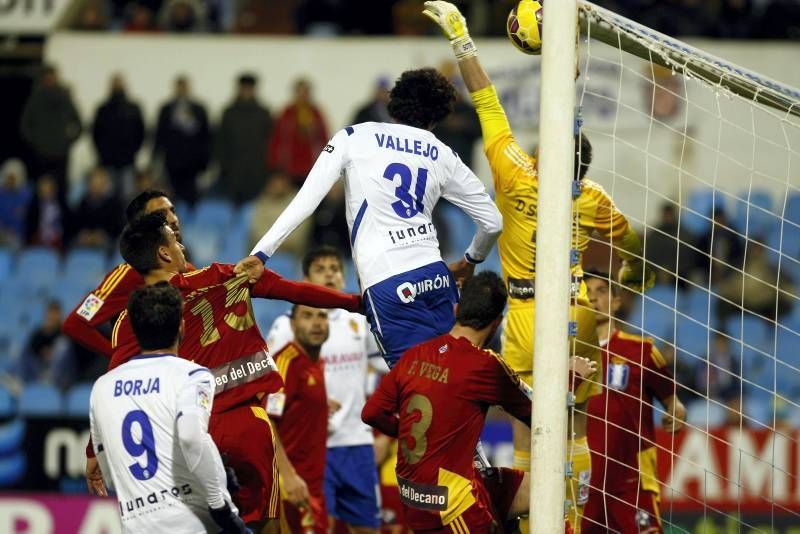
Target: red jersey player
point(620, 424)
point(441, 390)
point(110, 298)
point(221, 334)
point(301, 412)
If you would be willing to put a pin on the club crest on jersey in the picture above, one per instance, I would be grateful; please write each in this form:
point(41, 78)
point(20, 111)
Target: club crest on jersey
point(617, 376)
point(90, 307)
point(203, 398)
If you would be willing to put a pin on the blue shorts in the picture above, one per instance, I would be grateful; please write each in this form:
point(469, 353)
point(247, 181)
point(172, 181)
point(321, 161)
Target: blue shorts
point(351, 485)
point(410, 308)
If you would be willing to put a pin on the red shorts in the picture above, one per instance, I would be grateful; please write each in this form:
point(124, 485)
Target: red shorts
point(495, 493)
point(633, 510)
point(311, 519)
point(244, 436)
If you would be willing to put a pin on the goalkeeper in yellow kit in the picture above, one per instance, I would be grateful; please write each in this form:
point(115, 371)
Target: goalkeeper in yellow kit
point(516, 184)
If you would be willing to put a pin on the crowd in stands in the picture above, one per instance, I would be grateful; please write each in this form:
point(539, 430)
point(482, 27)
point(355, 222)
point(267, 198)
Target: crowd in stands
point(733, 19)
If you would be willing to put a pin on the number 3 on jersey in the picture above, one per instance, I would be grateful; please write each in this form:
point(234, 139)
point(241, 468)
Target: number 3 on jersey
point(137, 437)
point(406, 207)
point(413, 451)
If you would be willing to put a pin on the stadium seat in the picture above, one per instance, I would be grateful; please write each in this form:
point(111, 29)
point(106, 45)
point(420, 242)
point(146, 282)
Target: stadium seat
point(37, 269)
point(266, 311)
point(787, 354)
point(753, 216)
point(286, 265)
point(758, 411)
point(6, 258)
point(701, 203)
point(705, 413)
point(12, 469)
point(235, 243)
point(39, 399)
point(114, 261)
point(77, 400)
point(692, 337)
point(750, 329)
point(791, 211)
point(654, 319)
point(696, 303)
point(203, 242)
point(215, 211)
point(85, 265)
point(12, 434)
point(350, 277)
point(8, 405)
point(184, 212)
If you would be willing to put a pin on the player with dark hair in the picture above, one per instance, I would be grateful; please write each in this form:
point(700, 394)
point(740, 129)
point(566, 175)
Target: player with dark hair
point(155, 409)
point(222, 334)
point(441, 390)
point(620, 426)
point(302, 410)
point(109, 298)
point(350, 470)
point(394, 174)
point(516, 186)
point(421, 98)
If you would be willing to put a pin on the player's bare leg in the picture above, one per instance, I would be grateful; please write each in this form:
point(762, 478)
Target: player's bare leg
point(520, 504)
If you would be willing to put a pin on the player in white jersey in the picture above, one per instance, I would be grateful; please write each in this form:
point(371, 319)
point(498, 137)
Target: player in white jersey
point(149, 424)
point(351, 476)
point(394, 174)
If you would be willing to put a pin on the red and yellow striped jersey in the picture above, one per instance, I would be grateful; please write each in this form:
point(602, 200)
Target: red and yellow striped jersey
point(620, 424)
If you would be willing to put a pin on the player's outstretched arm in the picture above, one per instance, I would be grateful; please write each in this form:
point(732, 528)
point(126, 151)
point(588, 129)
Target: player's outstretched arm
point(466, 191)
point(273, 286)
point(454, 27)
point(199, 451)
point(323, 175)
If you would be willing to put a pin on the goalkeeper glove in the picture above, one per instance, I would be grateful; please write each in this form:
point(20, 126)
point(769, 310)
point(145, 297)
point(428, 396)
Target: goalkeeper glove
point(636, 275)
point(453, 25)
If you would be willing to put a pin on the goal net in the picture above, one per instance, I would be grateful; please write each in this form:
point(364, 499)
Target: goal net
point(703, 158)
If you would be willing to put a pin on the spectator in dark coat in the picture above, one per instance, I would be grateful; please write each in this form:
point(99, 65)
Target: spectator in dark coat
point(46, 349)
point(242, 144)
point(183, 140)
point(99, 219)
point(47, 221)
point(118, 135)
point(668, 248)
point(50, 125)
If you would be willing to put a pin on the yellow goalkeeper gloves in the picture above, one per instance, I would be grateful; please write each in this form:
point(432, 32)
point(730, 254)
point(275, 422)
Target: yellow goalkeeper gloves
point(453, 25)
point(636, 275)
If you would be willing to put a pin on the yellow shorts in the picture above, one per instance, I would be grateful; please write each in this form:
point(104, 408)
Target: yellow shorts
point(518, 342)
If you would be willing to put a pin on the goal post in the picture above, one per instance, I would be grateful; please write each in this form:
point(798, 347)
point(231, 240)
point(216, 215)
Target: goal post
point(677, 128)
point(552, 283)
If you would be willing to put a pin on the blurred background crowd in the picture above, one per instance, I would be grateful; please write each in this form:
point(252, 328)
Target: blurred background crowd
point(740, 19)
